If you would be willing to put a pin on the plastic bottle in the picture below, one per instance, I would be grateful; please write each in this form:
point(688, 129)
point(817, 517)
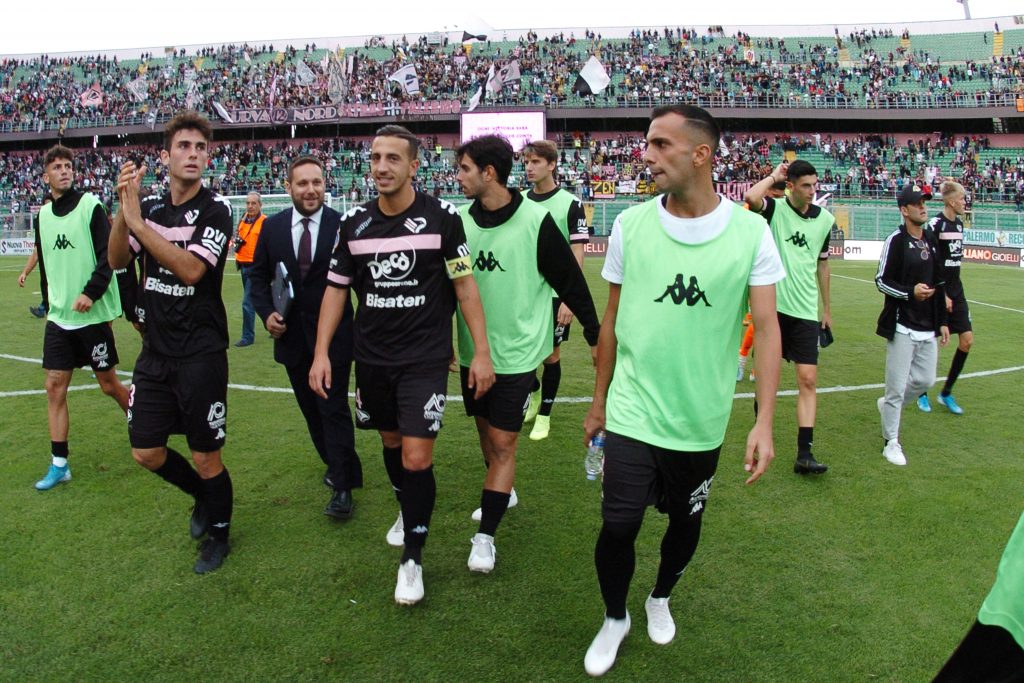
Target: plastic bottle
point(593, 463)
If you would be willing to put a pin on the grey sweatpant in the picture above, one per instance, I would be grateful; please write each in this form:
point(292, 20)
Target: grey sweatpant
point(909, 371)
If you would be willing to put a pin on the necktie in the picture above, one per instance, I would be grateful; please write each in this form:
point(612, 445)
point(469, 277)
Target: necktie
point(305, 250)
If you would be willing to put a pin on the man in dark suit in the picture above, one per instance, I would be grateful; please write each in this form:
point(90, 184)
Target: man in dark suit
point(302, 238)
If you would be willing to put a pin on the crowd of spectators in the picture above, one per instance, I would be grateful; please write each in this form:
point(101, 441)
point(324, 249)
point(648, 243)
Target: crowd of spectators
point(647, 66)
point(874, 166)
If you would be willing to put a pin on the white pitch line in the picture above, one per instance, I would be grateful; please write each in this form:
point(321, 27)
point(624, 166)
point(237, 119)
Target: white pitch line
point(567, 399)
point(970, 301)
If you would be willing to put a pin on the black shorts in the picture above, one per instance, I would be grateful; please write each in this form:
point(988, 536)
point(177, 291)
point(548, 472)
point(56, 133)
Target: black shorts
point(561, 331)
point(406, 398)
point(799, 339)
point(504, 405)
point(637, 475)
point(179, 396)
point(92, 345)
point(960, 316)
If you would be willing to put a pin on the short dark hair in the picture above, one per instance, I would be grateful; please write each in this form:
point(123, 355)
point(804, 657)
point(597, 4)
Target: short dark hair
point(781, 185)
point(545, 149)
point(302, 160)
point(57, 152)
point(696, 117)
point(489, 150)
point(393, 130)
point(798, 169)
point(187, 120)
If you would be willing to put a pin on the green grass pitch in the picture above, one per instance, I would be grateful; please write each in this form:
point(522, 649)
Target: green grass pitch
point(870, 572)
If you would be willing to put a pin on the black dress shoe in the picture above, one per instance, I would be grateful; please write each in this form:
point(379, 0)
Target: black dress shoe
point(340, 505)
point(806, 464)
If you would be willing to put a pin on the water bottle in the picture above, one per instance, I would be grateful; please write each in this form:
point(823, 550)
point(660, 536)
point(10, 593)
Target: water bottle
point(594, 462)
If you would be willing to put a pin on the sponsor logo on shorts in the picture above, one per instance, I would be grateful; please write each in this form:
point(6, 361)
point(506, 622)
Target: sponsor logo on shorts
point(361, 414)
point(216, 416)
point(377, 301)
point(434, 409)
point(100, 356)
point(435, 427)
point(700, 496)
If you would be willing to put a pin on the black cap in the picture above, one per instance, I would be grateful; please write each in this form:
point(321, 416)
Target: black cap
point(912, 194)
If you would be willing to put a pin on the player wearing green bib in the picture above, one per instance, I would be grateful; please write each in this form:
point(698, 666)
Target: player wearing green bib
point(541, 159)
point(681, 269)
point(801, 230)
point(518, 257)
point(71, 240)
point(993, 650)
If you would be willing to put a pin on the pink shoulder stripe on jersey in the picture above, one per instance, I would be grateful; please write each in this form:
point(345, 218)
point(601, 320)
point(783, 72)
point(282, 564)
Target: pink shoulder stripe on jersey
point(338, 279)
point(392, 244)
point(175, 234)
point(951, 235)
point(203, 253)
point(579, 237)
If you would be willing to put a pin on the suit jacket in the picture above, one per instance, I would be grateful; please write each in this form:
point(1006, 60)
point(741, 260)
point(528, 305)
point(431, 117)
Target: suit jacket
point(275, 246)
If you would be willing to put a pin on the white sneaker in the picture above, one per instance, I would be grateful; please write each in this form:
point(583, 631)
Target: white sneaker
point(513, 500)
point(409, 589)
point(481, 557)
point(396, 534)
point(602, 651)
point(893, 452)
point(660, 626)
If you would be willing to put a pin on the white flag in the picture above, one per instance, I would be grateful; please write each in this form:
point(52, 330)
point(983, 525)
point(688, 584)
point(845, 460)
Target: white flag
point(593, 79)
point(304, 76)
point(474, 101)
point(408, 78)
point(493, 85)
point(223, 113)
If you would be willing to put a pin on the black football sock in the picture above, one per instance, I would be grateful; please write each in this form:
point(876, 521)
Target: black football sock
point(550, 379)
point(419, 489)
point(59, 449)
point(959, 358)
point(178, 472)
point(615, 559)
point(219, 497)
point(677, 548)
point(804, 441)
point(393, 465)
point(492, 507)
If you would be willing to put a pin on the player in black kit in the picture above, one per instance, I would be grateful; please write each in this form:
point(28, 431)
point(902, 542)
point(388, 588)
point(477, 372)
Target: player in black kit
point(948, 229)
point(405, 255)
point(180, 379)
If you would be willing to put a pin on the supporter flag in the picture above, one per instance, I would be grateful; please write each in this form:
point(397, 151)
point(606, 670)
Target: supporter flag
point(493, 85)
point(474, 101)
point(279, 58)
point(248, 57)
point(198, 63)
point(750, 55)
point(466, 37)
point(304, 76)
point(143, 68)
point(138, 89)
point(223, 113)
point(272, 94)
point(408, 78)
point(509, 73)
point(91, 96)
point(593, 79)
point(151, 120)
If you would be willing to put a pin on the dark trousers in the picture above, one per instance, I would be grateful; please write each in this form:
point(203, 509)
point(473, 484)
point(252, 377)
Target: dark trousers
point(330, 423)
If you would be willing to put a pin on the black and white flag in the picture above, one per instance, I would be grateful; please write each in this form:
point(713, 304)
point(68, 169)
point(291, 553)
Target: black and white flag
point(593, 79)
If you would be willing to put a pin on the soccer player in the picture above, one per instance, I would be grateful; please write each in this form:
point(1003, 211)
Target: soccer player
point(180, 381)
point(914, 314)
point(664, 383)
point(520, 256)
point(541, 158)
point(948, 229)
point(71, 234)
point(405, 256)
point(801, 230)
point(246, 236)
